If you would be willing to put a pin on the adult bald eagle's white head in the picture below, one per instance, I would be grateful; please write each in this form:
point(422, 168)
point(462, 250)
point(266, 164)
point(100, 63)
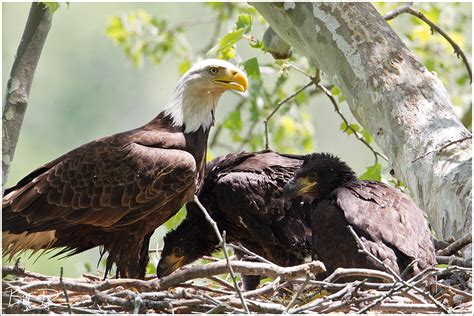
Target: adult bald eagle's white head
point(199, 90)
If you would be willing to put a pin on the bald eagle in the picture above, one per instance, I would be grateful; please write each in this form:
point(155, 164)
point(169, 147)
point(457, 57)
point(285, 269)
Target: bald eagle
point(388, 223)
point(115, 191)
point(243, 194)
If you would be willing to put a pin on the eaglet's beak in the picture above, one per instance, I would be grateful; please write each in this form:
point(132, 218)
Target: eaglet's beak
point(233, 79)
point(169, 264)
point(297, 187)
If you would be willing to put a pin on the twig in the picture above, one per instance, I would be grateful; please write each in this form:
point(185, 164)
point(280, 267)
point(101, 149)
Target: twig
point(66, 297)
point(244, 267)
point(279, 104)
point(406, 308)
point(389, 269)
point(354, 132)
point(455, 246)
point(442, 147)
point(455, 261)
point(18, 271)
point(253, 254)
point(221, 239)
point(366, 273)
point(295, 298)
point(459, 52)
point(394, 13)
point(319, 301)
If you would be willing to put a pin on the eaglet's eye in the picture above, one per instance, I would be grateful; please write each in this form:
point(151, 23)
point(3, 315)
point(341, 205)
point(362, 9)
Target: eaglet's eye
point(312, 176)
point(178, 251)
point(213, 70)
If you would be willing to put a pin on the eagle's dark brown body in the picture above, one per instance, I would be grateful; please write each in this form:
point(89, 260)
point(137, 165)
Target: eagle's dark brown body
point(112, 192)
point(243, 194)
point(388, 222)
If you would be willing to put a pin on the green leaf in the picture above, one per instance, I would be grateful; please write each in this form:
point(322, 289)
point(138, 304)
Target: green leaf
point(244, 21)
point(347, 130)
point(372, 173)
point(88, 267)
point(230, 39)
point(151, 268)
point(367, 136)
point(184, 66)
point(257, 45)
point(52, 6)
point(115, 30)
point(174, 221)
point(335, 91)
point(252, 68)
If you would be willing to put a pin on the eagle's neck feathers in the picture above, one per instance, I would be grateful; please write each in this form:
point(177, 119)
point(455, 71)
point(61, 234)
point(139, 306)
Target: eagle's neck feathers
point(192, 106)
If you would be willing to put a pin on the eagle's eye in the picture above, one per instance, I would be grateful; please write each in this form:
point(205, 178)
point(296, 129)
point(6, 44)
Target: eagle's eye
point(312, 176)
point(178, 251)
point(213, 70)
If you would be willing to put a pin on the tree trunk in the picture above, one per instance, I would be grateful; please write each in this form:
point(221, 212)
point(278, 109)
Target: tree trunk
point(403, 105)
point(21, 77)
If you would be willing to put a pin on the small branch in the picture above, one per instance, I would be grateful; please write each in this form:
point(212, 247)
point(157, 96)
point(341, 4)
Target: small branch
point(394, 13)
point(365, 273)
point(244, 267)
point(459, 52)
point(221, 239)
point(455, 246)
point(443, 147)
point(65, 291)
point(389, 269)
point(250, 253)
point(21, 79)
point(354, 132)
point(454, 261)
point(295, 298)
point(279, 104)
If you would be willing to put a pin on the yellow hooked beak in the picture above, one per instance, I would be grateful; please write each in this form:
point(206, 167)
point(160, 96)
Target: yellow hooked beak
point(233, 79)
point(169, 264)
point(297, 187)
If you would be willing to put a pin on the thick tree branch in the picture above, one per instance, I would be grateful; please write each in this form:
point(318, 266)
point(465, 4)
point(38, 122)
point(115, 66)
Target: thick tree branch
point(21, 78)
point(396, 99)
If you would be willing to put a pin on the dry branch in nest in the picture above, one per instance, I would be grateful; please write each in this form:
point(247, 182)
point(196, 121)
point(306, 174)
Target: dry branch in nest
point(195, 289)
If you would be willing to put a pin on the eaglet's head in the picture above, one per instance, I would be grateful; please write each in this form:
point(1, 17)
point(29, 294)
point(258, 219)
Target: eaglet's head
point(318, 176)
point(191, 240)
point(199, 90)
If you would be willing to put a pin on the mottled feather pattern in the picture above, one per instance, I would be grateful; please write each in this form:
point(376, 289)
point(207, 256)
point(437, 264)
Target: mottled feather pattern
point(390, 225)
point(248, 193)
point(140, 178)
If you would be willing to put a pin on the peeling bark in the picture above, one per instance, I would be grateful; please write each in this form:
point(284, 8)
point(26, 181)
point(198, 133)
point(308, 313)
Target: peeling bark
point(403, 105)
point(21, 78)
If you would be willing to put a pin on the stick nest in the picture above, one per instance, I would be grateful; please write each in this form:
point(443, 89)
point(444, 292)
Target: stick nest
point(198, 288)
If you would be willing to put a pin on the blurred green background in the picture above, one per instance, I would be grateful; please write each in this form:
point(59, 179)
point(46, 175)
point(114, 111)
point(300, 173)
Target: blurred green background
point(85, 87)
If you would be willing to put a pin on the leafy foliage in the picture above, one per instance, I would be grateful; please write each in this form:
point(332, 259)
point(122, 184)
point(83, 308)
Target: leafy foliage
point(141, 35)
point(372, 173)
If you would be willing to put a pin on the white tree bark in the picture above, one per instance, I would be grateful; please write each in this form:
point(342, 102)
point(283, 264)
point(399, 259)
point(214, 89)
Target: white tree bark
point(403, 105)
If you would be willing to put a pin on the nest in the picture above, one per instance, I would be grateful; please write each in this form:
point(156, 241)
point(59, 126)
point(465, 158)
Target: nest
point(198, 288)
point(297, 289)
